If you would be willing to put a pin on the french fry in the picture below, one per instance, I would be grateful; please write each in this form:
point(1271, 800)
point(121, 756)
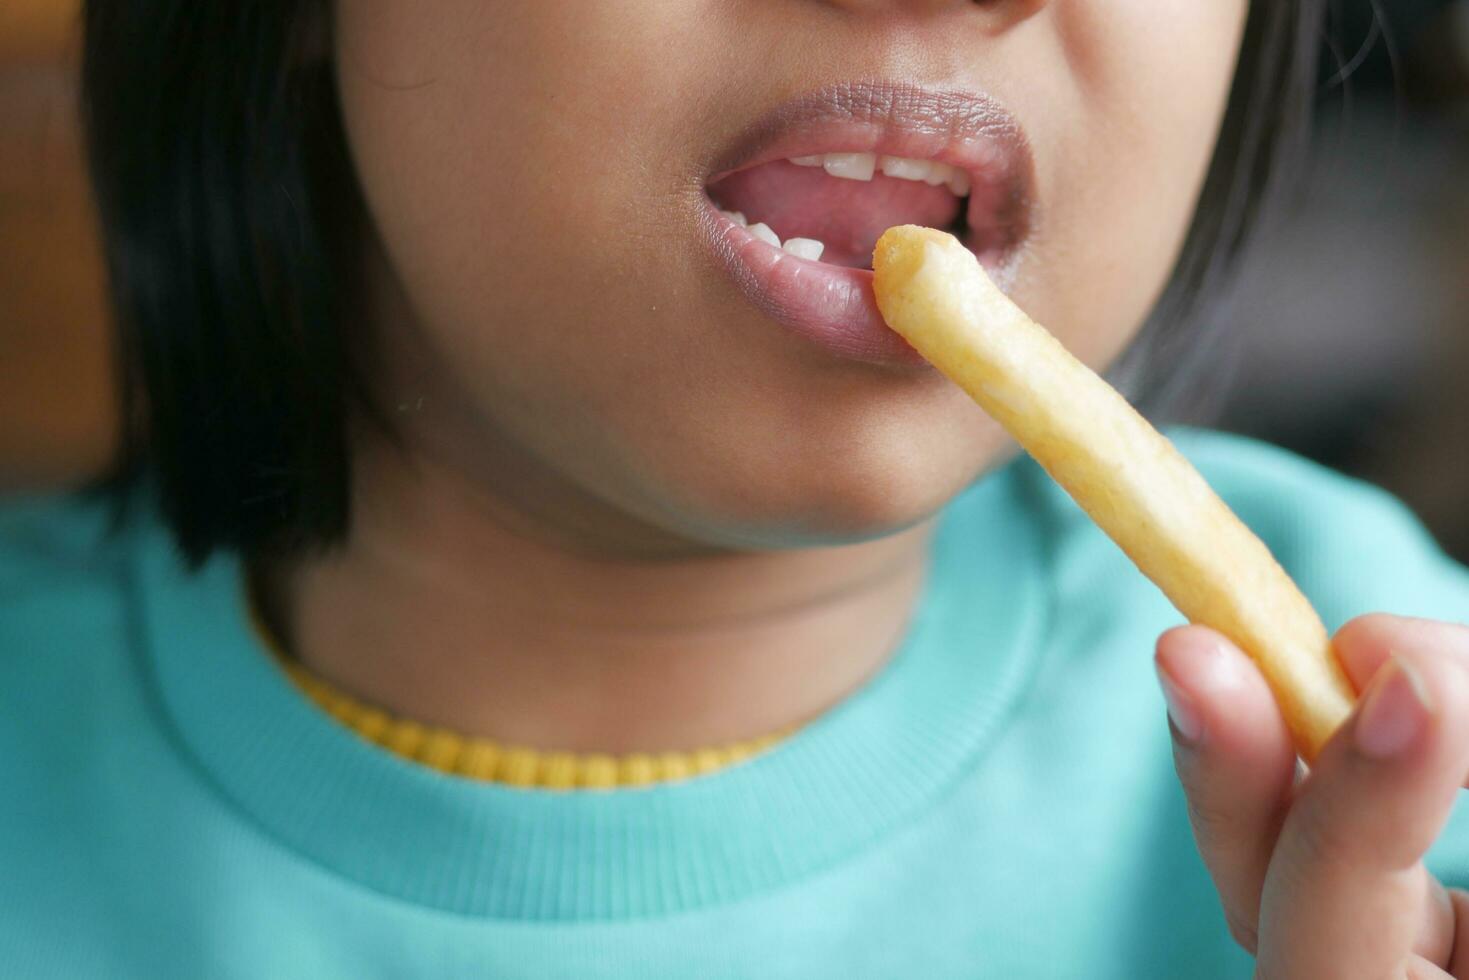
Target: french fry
point(1130, 479)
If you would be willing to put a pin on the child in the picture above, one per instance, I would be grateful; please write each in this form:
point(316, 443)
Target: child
point(534, 557)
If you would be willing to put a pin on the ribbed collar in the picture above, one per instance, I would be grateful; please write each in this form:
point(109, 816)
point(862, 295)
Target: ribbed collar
point(871, 763)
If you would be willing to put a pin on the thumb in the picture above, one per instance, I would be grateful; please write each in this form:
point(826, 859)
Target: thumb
point(1366, 643)
point(1346, 894)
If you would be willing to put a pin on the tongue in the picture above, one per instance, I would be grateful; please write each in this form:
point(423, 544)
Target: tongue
point(846, 215)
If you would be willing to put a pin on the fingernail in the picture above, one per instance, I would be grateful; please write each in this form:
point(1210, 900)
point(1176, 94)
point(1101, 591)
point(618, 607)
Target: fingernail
point(1395, 712)
point(1182, 711)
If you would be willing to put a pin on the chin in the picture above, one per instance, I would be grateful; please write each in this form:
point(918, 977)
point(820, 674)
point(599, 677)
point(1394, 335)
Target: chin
point(835, 501)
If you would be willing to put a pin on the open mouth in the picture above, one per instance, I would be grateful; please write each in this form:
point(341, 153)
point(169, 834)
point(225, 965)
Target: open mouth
point(831, 207)
point(794, 209)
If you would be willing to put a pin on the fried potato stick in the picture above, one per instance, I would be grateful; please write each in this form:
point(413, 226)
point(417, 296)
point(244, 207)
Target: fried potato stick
point(1130, 479)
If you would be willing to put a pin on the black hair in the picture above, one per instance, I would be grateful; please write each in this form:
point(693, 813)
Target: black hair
point(229, 215)
point(1261, 152)
point(219, 171)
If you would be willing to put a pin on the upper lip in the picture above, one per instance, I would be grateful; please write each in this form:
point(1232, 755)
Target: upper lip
point(967, 130)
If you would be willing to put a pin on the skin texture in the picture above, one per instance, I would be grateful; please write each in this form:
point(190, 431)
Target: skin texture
point(534, 177)
point(629, 511)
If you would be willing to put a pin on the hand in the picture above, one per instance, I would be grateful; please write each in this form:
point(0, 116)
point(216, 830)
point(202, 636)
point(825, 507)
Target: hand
point(1322, 876)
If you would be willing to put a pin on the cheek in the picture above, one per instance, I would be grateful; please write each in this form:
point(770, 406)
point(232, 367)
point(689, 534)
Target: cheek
point(517, 197)
point(492, 144)
point(1124, 168)
point(534, 234)
point(530, 175)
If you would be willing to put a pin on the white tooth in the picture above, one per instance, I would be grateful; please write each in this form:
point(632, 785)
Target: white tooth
point(851, 166)
point(735, 216)
point(938, 173)
point(804, 248)
point(959, 184)
point(807, 161)
point(904, 168)
point(762, 231)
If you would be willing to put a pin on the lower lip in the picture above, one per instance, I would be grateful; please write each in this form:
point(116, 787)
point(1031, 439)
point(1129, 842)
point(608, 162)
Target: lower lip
point(831, 306)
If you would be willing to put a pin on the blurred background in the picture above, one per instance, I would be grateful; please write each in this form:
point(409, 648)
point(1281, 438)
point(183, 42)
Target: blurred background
point(56, 412)
point(1352, 322)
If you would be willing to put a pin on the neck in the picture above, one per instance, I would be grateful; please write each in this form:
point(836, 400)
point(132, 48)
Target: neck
point(459, 608)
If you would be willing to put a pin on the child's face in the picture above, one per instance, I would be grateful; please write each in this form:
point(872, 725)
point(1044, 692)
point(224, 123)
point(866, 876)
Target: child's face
point(539, 175)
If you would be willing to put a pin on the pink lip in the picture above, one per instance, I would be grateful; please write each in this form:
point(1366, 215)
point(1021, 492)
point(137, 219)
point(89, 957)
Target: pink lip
point(831, 305)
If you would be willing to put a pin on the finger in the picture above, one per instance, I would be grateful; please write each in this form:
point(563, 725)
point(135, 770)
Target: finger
point(1417, 968)
point(1458, 964)
point(1346, 895)
point(1366, 643)
point(1235, 759)
point(1435, 940)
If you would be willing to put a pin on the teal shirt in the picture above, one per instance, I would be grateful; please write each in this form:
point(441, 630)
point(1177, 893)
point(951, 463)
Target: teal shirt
point(998, 801)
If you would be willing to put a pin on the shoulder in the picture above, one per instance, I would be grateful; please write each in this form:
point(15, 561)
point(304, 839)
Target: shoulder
point(69, 629)
point(1352, 547)
point(1280, 486)
point(63, 560)
point(78, 743)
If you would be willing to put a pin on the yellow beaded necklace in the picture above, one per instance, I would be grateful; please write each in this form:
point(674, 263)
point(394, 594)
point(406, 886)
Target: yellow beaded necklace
point(486, 759)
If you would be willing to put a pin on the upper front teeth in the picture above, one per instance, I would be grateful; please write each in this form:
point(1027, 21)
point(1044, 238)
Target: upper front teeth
point(905, 169)
point(852, 166)
point(861, 166)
